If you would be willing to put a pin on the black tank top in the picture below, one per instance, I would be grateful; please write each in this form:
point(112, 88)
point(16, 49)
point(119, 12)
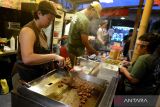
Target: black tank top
point(30, 72)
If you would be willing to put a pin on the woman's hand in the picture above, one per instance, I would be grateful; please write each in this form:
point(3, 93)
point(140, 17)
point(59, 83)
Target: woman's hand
point(60, 59)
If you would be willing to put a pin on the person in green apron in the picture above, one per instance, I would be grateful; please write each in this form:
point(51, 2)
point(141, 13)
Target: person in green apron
point(79, 31)
point(34, 58)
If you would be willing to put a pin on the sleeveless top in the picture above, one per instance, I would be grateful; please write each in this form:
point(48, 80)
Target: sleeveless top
point(30, 72)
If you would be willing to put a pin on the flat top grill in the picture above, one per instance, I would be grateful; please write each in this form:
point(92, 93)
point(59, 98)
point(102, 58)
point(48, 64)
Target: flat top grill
point(48, 86)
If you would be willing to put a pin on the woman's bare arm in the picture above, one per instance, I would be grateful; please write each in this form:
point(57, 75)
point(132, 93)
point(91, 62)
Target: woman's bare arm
point(27, 39)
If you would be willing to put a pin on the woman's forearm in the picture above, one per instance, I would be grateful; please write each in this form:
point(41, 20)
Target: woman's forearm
point(35, 59)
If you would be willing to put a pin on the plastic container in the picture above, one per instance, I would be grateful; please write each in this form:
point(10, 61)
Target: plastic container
point(115, 52)
point(12, 43)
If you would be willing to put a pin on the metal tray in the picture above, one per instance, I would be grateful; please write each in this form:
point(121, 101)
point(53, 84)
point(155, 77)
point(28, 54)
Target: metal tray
point(87, 65)
point(46, 85)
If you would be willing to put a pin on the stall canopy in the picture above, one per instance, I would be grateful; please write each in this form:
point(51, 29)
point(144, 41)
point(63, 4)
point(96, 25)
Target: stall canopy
point(106, 4)
point(80, 4)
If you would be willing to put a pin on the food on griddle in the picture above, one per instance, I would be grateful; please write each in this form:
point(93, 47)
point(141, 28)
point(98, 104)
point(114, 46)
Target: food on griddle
point(67, 81)
point(60, 85)
point(80, 105)
point(84, 89)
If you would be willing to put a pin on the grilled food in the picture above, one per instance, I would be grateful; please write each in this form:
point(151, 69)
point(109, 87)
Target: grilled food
point(84, 89)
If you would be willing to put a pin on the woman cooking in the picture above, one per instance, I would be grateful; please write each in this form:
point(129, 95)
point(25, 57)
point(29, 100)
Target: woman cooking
point(34, 57)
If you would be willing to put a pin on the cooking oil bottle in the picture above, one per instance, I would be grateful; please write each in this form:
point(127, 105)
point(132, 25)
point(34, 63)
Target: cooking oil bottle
point(4, 85)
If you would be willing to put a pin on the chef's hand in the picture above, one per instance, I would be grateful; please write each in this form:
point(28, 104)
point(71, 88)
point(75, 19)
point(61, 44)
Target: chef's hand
point(61, 60)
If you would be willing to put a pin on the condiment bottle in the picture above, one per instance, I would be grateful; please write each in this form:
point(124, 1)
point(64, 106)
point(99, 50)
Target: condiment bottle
point(12, 43)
